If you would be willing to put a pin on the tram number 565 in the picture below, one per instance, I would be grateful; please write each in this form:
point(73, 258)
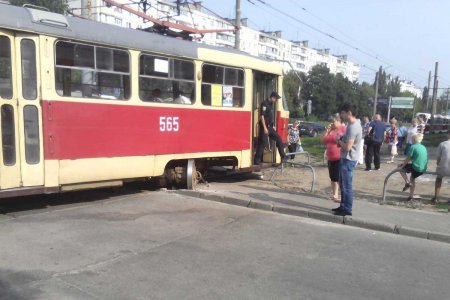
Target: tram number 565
point(169, 124)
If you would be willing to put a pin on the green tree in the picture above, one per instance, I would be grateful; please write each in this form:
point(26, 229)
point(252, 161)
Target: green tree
point(291, 85)
point(319, 88)
point(57, 6)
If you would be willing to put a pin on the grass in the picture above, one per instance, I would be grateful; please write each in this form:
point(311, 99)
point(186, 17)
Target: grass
point(433, 140)
point(441, 205)
point(314, 146)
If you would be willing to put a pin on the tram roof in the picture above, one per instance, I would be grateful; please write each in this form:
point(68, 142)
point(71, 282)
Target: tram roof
point(42, 22)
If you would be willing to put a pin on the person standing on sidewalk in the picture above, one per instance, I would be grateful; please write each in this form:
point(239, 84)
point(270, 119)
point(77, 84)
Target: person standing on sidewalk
point(442, 168)
point(266, 129)
point(374, 144)
point(349, 143)
point(295, 145)
point(334, 153)
point(392, 140)
point(416, 164)
point(412, 130)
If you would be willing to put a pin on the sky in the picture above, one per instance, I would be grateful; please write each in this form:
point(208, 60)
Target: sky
point(406, 37)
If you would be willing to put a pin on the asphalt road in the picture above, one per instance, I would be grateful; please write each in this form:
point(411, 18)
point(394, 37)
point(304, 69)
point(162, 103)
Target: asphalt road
point(156, 245)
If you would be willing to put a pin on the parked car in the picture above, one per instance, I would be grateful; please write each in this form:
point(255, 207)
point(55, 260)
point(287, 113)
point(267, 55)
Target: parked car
point(311, 129)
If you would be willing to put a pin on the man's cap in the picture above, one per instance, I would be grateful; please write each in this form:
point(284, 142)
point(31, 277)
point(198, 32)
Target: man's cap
point(275, 94)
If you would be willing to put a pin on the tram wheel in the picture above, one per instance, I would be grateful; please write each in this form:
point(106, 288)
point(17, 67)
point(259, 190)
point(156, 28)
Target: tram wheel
point(191, 175)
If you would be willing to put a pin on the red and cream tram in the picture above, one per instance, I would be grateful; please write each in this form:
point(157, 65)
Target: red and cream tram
point(85, 104)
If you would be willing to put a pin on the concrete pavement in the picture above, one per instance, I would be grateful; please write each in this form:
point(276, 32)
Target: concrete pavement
point(159, 245)
point(245, 190)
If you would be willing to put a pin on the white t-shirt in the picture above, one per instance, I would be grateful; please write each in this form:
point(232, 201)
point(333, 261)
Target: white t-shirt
point(411, 131)
point(443, 156)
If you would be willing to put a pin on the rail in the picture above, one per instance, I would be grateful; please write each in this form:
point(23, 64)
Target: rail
point(398, 171)
point(281, 167)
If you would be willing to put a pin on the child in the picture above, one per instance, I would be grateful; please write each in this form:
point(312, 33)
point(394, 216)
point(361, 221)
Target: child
point(418, 157)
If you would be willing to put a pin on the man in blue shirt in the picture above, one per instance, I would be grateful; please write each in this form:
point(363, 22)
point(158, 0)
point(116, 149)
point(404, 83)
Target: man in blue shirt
point(377, 132)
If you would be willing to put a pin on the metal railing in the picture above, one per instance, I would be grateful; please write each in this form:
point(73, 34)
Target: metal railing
point(298, 164)
point(398, 170)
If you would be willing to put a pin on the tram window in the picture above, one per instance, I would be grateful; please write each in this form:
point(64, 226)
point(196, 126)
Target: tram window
point(5, 68)
point(222, 86)
point(28, 61)
point(212, 74)
point(166, 80)
point(31, 122)
point(80, 74)
point(8, 135)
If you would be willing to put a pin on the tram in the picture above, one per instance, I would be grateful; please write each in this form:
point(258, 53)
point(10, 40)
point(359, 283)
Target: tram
point(85, 104)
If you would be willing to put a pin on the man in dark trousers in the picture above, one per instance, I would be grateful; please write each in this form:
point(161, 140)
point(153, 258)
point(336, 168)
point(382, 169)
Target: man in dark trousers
point(377, 131)
point(266, 129)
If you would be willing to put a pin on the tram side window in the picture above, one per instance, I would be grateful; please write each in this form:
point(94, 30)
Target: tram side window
point(222, 86)
point(87, 71)
point(8, 135)
point(5, 68)
point(166, 80)
point(28, 61)
point(31, 122)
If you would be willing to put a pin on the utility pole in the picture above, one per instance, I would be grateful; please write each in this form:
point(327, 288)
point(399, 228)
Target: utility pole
point(435, 89)
point(427, 108)
point(237, 34)
point(375, 99)
point(86, 9)
point(446, 105)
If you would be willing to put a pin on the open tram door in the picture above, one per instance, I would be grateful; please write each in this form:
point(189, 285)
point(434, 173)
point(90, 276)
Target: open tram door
point(21, 158)
point(263, 85)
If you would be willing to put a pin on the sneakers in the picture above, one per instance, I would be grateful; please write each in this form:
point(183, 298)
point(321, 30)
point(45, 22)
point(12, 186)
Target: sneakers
point(336, 209)
point(342, 213)
point(407, 186)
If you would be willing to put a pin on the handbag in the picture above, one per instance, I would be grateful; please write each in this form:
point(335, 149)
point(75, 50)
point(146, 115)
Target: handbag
point(299, 148)
point(394, 150)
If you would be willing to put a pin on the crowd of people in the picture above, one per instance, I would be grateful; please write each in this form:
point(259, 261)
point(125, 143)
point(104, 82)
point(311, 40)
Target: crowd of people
point(350, 141)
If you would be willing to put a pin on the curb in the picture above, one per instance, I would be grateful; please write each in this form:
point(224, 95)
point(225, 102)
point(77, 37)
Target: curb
point(326, 217)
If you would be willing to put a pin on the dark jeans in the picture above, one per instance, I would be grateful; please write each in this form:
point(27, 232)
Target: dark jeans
point(263, 140)
point(401, 139)
point(373, 152)
point(292, 148)
point(346, 167)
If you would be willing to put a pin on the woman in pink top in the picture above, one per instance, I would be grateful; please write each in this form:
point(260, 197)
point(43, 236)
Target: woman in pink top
point(334, 153)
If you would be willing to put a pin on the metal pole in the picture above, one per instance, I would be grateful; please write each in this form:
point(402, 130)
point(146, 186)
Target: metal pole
point(435, 89)
point(377, 82)
point(414, 107)
point(428, 92)
point(237, 35)
point(389, 109)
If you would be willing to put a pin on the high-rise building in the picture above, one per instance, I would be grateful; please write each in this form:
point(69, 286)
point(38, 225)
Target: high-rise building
point(270, 45)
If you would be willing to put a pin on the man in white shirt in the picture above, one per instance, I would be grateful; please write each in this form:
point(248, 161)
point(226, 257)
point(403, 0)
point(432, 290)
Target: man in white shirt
point(443, 167)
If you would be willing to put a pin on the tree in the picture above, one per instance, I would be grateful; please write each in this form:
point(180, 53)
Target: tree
point(319, 88)
point(291, 85)
point(57, 6)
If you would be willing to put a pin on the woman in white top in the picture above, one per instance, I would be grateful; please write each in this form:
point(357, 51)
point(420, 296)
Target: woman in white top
point(412, 130)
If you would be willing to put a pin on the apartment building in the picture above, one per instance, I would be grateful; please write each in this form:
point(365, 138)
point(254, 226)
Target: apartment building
point(270, 45)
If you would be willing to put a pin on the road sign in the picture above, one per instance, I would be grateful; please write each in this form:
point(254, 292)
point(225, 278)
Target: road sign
point(402, 102)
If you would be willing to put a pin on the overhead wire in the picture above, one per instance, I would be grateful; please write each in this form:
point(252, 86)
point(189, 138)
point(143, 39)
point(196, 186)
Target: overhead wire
point(339, 40)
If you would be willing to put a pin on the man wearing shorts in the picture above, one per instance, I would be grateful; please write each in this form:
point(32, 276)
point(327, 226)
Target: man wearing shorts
point(416, 164)
point(443, 167)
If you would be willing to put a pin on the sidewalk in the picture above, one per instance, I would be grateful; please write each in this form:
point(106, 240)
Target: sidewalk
point(261, 194)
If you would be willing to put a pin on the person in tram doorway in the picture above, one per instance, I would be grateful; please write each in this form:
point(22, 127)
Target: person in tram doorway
point(266, 129)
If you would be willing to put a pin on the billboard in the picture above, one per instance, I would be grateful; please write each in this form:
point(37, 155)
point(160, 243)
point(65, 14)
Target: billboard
point(402, 102)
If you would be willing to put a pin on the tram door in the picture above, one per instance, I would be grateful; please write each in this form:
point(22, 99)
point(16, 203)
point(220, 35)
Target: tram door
point(9, 137)
point(29, 110)
point(21, 158)
point(264, 84)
